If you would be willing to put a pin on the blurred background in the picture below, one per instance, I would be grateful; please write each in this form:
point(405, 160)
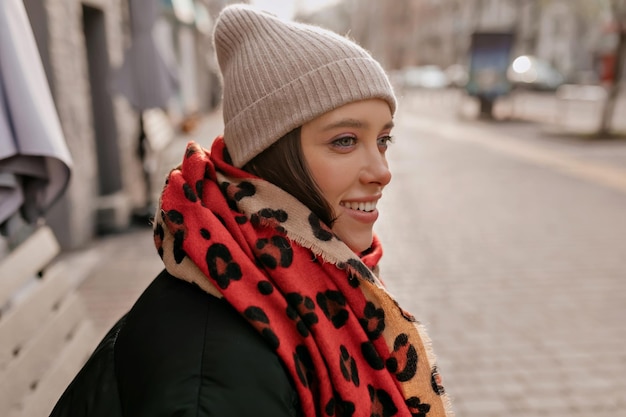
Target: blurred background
point(126, 76)
point(504, 226)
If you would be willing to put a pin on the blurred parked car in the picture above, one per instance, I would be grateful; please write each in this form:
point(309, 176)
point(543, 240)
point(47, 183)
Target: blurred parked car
point(427, 76)
point(534, 73)
point(457, 75)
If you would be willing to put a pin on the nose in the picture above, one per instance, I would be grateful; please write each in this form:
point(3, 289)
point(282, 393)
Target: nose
point(376, 169)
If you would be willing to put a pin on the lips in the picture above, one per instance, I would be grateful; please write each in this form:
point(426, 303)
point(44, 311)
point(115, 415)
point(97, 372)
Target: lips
point(361, 211)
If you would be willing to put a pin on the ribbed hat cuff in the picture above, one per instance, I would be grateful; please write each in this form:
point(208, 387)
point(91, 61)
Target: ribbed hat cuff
point(258, 126)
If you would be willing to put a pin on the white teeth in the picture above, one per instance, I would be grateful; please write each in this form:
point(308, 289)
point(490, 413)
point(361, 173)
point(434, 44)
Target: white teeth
point(369, 206)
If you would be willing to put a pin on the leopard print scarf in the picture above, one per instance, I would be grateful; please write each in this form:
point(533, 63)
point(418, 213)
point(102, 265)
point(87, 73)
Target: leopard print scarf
point(349, 347)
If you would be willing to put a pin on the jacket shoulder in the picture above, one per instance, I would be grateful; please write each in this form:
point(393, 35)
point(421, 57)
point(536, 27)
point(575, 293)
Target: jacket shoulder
point(94, 392)
point(181, 350)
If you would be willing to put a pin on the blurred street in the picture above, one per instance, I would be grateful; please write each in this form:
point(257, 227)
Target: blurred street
point(508, 242)
point(505, 238)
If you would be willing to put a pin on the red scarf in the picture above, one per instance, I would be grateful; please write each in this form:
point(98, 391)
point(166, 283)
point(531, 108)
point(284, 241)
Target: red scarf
point(350, 349)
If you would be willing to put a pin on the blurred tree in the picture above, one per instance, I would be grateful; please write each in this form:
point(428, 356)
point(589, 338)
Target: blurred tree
point(526, 28)
point(613, 12)
point(617, 9)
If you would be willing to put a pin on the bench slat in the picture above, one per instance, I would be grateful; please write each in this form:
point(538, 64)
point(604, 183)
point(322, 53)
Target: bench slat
point(23, 374)
point(23, 321)
point(52, 384)
point(25, 261)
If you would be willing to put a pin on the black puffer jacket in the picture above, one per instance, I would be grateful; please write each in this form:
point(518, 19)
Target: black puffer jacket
point(180, 352)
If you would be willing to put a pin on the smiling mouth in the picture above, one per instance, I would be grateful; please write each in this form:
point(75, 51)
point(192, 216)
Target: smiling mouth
point(360, 206)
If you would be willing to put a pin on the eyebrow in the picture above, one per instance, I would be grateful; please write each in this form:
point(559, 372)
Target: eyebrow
point(359, 124)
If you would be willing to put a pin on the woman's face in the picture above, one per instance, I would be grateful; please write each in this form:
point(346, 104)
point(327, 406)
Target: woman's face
point(345, 152)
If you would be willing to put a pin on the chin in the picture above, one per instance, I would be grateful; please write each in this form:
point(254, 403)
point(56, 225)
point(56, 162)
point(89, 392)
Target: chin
point(357, 239)
point(360, 245)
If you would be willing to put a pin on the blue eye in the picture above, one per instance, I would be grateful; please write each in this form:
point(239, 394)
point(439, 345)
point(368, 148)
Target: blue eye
point(344, 141)
point(384, 141)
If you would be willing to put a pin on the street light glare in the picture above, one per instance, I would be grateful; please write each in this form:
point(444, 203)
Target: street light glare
point(521, 64)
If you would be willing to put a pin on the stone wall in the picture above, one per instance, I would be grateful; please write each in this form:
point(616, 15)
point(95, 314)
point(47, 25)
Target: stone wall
point(75, 219)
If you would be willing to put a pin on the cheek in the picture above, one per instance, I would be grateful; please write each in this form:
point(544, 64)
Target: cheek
point(332, 180)
point(326, 175)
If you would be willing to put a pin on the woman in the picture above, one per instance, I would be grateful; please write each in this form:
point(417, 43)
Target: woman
point(285, 315)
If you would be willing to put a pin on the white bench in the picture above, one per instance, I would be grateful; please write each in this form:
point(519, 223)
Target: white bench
point(45, 335)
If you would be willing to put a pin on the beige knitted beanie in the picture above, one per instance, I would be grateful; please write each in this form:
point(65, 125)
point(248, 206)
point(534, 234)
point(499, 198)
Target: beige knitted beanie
point(278, 75)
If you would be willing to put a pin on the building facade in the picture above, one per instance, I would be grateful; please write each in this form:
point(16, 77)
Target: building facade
point(79, 42)
point(82, 43)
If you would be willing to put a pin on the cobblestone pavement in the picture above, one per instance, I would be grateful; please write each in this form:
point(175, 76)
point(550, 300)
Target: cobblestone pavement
point(515, 265)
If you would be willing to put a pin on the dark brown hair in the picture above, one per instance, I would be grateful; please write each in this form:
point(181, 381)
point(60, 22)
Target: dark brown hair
point(283, 165)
